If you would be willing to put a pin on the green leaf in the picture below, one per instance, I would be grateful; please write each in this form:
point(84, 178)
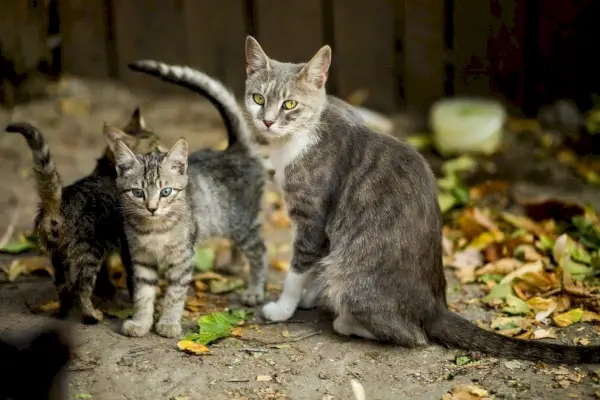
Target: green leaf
point(120, 314)
point(217, 325)
point(446, 201)
point(586, 232)
point(498, 292)
point(20, 246)
point(218, 286)
point(545, 243)
point(461, 194)
point(462, 360)
point(490, 278)
point(204, 258)
point(420, 142)
point(460, 164)
point(515, 306)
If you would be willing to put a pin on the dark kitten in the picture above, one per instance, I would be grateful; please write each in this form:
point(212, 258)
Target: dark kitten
point(80, 224)
point(366, 220)
point(33, 368)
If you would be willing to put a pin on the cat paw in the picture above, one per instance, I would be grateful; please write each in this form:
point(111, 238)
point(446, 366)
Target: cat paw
point(274, 311)
point(253, 296)
point(92, 316)
point(134, 328)
point(168, 329)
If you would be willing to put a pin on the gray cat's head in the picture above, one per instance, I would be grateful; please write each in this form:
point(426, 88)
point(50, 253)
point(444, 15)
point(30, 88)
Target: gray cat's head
point(284, 98)
point(151, 185)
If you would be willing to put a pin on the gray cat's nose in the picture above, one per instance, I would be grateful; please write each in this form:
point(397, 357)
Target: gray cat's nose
point(152, 210)
point(267, 123)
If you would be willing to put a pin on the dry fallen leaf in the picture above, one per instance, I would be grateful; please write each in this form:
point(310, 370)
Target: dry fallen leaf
point(589, 316)
point(200, 286)
point(568, 318)
point(264, 378)
point(280, 219)
point(502, 266)
point(280, 264)
point(190, 346)
point(542, 307)
point(237, 332)
point(50, 306)
point(28, 265)
point(465, 263)
point(548, 333)
point(466, 392)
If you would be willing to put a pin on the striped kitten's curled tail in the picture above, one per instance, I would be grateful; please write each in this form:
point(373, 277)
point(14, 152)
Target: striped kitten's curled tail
point(212, 89)
point(46, 176)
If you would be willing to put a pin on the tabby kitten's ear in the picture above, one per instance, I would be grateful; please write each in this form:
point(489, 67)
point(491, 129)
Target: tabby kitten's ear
point(125, 159)
point(177, 158)
point(136, 124)
point(256, 58)
point(315, 71)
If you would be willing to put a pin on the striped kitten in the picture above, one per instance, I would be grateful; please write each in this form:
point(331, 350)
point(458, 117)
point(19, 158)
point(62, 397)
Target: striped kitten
point(172, 201)
point(366, 220)
point(78, 225)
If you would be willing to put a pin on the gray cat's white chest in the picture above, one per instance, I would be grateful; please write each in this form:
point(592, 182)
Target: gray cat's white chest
point(284, 155)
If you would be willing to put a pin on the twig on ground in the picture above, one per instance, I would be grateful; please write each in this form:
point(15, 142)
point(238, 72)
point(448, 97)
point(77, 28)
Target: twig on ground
point(253, 350)
point(260, 323)
point(238, 380)
point(11, 227)
point(269, 344)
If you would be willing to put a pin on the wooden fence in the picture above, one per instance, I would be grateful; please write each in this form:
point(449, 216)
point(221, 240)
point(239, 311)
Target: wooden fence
point(402, 52)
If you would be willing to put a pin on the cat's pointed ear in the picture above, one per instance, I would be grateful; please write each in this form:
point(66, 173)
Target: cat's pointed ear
point(316, 70)
point(177, 158)
point(125, 159)
point(256, 58)
point(137, 123)
point(112, 135)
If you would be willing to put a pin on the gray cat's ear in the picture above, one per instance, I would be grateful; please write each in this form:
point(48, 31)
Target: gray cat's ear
point(256, 58)
point(315, 71)
point(112, 135)
point(177, 158)
point(125, 159)
point(136, 124)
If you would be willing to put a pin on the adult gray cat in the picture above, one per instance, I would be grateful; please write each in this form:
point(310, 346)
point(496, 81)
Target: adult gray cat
point(367, 224)
point(171, 201)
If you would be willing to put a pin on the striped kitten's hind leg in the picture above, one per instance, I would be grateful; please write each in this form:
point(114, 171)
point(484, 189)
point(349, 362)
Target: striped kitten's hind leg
point(145, 282)
point(253, 247)
point(179, 277)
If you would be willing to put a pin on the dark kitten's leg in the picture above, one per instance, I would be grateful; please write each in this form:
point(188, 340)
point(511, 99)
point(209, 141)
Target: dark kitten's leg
point(144, 294)
point(179, 277)
point(63, 285)
point(128, 265)
point(104, 287)
point(253, 246)
point(88, 262)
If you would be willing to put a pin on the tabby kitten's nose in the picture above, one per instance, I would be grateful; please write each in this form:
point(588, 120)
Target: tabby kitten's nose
point(152, 210)
point(267, 123)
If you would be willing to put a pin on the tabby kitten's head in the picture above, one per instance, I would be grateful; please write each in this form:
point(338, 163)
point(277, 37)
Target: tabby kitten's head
point(284, 98)
point(152, 185)
point(137, 136)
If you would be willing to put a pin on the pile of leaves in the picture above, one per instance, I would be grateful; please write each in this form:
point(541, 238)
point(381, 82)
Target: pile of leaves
point(539, 270)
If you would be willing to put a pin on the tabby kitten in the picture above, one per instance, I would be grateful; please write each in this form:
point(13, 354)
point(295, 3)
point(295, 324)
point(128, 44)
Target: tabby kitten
point(366, 220)
point(228, 185)
point(223, 194)
point(80, 224)
point(32, 368)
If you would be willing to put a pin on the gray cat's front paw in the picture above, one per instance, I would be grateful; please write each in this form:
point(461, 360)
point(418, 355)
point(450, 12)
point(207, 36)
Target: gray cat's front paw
point(277, 311)
point(168, 329)
point(135, 328)
point(253, 296)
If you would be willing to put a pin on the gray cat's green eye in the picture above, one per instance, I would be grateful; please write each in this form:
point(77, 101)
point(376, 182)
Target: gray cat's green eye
point(166, 192)
point(258, 99)
point(139, 193)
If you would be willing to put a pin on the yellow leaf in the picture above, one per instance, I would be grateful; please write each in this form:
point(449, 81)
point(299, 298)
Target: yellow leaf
point(280, 219)
point(466, 392)
point(264, 378)
point(192, 347)
point(50, 306)
point(568, 318)
point(222, 145)
point(273, 198)
point(538, 304)
point(590, 316)
point(209, 275)
point(26, 266)
point(200, 286)
point(285, 333)
point(281, 265)
point(483, 240)
point(502, 266)
point(237, 332)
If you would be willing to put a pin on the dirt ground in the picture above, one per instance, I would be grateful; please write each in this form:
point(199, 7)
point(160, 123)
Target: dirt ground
point(320, 366)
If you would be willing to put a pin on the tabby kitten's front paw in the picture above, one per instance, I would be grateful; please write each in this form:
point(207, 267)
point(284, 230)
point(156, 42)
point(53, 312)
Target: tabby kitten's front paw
point(253, 296)
point(168, 329)
point(275, 311)
point(135, 328)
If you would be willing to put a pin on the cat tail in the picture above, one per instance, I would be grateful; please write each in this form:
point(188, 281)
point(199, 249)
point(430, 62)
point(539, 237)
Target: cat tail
point(212, 89)
point(46, 176)
point(452, 330)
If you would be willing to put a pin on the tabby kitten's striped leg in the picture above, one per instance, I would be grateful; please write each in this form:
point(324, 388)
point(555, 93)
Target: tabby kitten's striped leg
point(179, 276)
point(145, 285)
point(253, 246)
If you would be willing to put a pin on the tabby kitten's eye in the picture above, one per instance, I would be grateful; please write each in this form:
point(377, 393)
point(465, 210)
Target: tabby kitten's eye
point(289, 104)
point(258, 99)
point(166, 192)
point(139, 193)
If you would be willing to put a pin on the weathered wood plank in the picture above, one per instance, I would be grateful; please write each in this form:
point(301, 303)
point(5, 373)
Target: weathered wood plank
point(472, 30)
point(149, 29)
point(364, 51)
point(84, 37)
point(424, 52)
point(289, 31)
point(215, 39)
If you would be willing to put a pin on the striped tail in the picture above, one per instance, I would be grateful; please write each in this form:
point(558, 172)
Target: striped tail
point(212, 89)
point(46, 177)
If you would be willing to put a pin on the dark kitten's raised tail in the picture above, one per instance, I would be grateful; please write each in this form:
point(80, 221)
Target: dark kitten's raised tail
point(46, 176)
point(452, 330)
point(212, 89)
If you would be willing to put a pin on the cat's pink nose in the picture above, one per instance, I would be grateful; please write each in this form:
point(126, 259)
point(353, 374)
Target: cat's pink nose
point(267, 123)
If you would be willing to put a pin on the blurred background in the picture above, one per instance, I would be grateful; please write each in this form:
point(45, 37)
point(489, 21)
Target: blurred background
point(395, 52)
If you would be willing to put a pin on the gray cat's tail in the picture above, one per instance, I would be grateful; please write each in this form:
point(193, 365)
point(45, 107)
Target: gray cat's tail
point(212, 89)
point(47, 178)
point(451, 330)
